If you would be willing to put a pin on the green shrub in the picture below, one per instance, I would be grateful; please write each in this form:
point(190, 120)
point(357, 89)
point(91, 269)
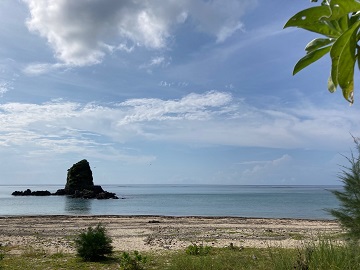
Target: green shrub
point(93, 244)
point(348, 214)
point(196, 250)
point(135, 262)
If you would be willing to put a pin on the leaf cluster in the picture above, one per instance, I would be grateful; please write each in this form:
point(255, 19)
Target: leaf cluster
point(338, 21)
point(93, 244)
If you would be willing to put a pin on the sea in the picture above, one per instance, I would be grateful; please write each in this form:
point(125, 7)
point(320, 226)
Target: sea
point(301, 202)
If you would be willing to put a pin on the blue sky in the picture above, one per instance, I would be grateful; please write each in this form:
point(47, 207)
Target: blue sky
point(166, 92)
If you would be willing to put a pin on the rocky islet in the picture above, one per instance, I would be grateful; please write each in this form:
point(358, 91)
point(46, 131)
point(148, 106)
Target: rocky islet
point(79, 184)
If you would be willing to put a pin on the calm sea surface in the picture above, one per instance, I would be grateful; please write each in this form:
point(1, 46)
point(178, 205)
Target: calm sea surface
point(306, 202)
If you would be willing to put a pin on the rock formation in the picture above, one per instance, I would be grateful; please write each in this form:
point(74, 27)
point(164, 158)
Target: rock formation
point(79, 184)
point(28, 192)
point(79, 177)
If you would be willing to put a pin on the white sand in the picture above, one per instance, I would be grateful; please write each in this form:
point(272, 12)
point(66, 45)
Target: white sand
point(144, 233)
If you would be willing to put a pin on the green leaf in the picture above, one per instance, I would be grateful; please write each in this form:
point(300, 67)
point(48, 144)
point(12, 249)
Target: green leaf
point(334, 24)
point(344, 23)
point(340, 8)
point(343, 59)
point(311, 19)
point(318, 43)
point(310, 58)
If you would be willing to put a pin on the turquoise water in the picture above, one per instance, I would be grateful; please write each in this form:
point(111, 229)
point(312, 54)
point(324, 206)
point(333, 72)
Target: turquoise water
point(306, 202)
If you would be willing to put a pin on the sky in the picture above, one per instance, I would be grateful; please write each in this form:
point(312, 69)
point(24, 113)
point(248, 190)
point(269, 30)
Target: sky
point(167, 92)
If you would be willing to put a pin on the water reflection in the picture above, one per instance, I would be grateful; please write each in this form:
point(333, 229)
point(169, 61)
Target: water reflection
point(77, 206)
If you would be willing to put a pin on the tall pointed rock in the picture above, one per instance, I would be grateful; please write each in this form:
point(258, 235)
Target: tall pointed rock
point(79, 177)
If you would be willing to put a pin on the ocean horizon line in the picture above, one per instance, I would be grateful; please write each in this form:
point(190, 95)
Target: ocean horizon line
point(184, 185)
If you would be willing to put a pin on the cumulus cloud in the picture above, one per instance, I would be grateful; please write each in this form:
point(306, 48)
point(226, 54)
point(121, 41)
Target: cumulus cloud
point(83, 32)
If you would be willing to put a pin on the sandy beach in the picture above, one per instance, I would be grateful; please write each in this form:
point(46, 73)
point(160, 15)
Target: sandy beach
point(156, 233)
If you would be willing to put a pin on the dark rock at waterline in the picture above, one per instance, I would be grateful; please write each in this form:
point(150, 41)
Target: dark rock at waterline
point(106, 195)
point(79, 177)
point(21, 193)
point(79, 184)
point(60, 192)
point(28, 192)
point(41, 193)
point(94, 194)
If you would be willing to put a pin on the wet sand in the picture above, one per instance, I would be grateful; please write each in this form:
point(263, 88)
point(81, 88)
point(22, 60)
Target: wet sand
point(156, 233)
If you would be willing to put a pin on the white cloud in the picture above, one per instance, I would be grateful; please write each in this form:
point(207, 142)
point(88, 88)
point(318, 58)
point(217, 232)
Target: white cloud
point(191, 107)
point(211, 118)
point(170, 84)
point(280, 171)
point(41, 68)
point(219, 19)
point(253, 162)
point(82, 32)
point(262, 168)
point(66, 127)
point(125, 47)
point(8, 75)
point(4, 87)
point(159, 61)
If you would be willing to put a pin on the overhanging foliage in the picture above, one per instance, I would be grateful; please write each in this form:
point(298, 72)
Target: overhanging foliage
point(339, 22)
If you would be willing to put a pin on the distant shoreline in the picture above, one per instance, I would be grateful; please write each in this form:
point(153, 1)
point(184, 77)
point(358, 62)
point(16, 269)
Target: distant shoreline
point(155, 233)
point(162, 216)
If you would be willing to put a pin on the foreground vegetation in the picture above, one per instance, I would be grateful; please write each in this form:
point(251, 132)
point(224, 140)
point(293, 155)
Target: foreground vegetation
point(323, 254)
point(93, 244)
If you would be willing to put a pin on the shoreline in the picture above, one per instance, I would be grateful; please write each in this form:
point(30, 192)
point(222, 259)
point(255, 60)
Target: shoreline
point(160, 216)
point(55, 233)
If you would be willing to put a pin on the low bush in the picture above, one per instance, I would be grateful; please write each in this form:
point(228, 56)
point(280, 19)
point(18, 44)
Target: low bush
point(132, 262)
point(93, 244)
